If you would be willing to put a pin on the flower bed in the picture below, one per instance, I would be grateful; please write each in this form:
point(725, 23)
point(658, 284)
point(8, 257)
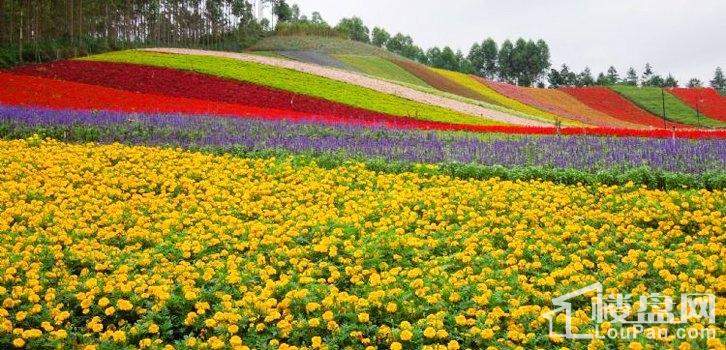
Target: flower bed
point(609, 102)
point(706, 101)
point(135, 247)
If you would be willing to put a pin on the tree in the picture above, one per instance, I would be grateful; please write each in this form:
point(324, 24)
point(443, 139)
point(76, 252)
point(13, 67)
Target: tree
point(354, 29)
point(718, 82)
point(554, 78)
point(380, 37)
point(585, 78)
point(647, 74)
point(568, 78)
point(694, 83)
point(483, 58)
point(602, 80)
point(476, 57)
point(316, 18)
point(543, 59)
point(295, 12)
point(670, 81)
point(612, 78)
point(282, 11)
point(655, 81)
point(507, 70)
point(490, 55)
point(631, 78)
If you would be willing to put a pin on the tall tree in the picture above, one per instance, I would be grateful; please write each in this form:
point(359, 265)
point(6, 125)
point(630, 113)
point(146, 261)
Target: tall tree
point(694, 83)
point(670, 81)
point(718, 82)
point(631, 78)
point(612, 76)
point(282, 11)
point(354, 29)
point(380, 37)
point(585, 78)
point(490, 54)
point(647, 75)
point(505, 61)
point(316, 18)
point(554, 78)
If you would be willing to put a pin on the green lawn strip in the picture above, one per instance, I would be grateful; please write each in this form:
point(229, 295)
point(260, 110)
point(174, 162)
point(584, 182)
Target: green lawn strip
point(651, 99)
point(381, 68)
point(294, 81)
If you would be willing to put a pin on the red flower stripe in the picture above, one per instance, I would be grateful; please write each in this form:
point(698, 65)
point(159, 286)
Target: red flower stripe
point(43, 92)
point(610, 102)
point(559, 103)
point(706, 100)
point(178, 83)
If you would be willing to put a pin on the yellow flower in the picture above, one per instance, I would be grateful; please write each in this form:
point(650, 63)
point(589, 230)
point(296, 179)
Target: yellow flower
point(124, 305)
point(18, 342)
point(406, 335)
point(153, 328)
point(363, 317)
point(391, 307)
point(328, 315)
point(396, 346)
point(429, 332)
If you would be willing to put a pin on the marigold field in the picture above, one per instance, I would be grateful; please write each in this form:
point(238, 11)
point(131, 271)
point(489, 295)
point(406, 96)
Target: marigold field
point(115, 246)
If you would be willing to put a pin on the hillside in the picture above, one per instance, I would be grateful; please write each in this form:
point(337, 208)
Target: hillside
point(629, 108)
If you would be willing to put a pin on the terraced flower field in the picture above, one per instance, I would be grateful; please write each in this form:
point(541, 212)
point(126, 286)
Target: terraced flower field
point(184, 200)
point(382, 68)
point(707, 102)
point(651, 99)
point(224, 251)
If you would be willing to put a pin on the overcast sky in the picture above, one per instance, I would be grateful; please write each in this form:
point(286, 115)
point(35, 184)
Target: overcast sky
point(684, 37)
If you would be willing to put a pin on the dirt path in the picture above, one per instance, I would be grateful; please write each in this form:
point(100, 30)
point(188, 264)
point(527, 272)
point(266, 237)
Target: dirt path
point(366, 82)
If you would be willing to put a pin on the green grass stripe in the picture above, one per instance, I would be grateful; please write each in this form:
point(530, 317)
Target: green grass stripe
point(381, 68)
point(651, 99)
point(294, 81)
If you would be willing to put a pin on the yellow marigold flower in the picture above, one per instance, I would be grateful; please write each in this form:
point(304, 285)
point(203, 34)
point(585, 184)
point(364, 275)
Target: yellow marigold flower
point(328, 315)
point(406, 335)
point(235, 340)
point(391, 307)
point(429, 332)
point(363, 317)
point(396, 346)
point(453, 345)
point(635, 346)
point(317, 342)
point(153, 328)
point(124, 305)
point(18, 342)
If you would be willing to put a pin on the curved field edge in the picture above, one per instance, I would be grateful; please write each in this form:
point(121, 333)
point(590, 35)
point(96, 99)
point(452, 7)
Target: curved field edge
point(480, 86)
point(651, 99)
point(367, 82)
point(559, 103)
point(632, 176)
point(295, 81)
point(610, 102)
point(182, 83)
point(381, 68)
point(706, 101)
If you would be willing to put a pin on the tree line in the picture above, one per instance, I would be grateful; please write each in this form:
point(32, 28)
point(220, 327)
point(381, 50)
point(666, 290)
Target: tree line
point(565, 77)
point(41, 30)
